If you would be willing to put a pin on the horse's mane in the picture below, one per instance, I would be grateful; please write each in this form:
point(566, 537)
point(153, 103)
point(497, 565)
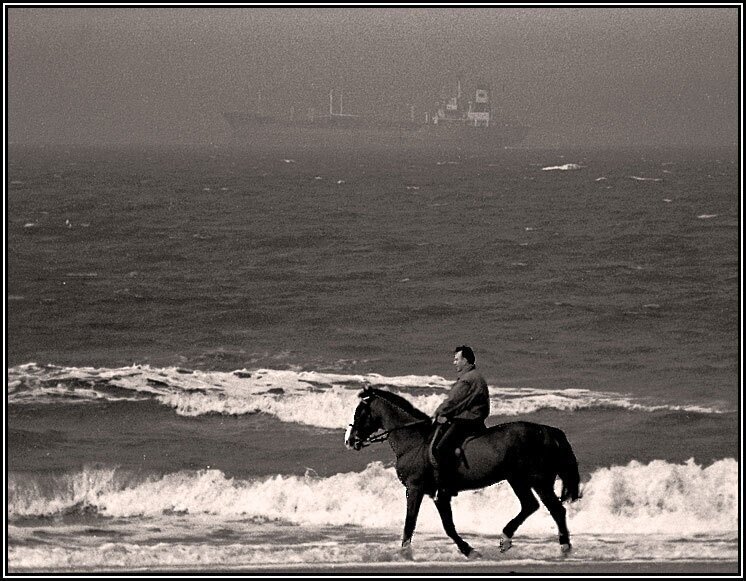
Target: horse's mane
point(401, 403)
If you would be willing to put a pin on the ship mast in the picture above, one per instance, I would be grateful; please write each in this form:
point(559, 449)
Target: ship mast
point(341, 114)
point(331, 104)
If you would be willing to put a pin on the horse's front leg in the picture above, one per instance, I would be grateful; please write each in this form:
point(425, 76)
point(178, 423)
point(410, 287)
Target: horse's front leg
point(443, 503)
point(414, 500)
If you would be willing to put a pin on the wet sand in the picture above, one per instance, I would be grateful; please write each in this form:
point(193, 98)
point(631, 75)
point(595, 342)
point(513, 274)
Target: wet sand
point(469, 569)
point(623, 568)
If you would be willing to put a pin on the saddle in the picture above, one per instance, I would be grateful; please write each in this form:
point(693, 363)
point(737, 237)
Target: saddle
point(458, 449)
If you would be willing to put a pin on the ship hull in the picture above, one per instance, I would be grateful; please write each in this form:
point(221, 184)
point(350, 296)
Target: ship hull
point(494, 136)
point(251, 127)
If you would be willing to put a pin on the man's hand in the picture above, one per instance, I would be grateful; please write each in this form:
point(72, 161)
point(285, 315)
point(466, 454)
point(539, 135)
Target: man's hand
point(440, 419)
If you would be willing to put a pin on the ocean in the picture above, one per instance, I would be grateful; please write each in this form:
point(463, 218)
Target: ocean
point(188, 329)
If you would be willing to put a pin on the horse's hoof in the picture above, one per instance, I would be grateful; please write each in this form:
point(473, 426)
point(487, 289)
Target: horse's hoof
point(474, 555)
point(505, 543)
point(406, 553)
point(565, 548)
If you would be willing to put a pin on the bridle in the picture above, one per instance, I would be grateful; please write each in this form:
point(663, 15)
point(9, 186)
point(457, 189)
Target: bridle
point(383, 436)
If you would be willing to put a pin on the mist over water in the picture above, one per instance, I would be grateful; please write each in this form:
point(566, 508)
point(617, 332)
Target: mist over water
point(623, 76)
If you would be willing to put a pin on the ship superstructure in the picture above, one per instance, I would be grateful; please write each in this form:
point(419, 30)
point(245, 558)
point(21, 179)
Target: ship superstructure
point(458, 111)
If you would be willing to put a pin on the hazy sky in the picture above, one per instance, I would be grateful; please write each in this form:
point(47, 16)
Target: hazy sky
point(576, 75)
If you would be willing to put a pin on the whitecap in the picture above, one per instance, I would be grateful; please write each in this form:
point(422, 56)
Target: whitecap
point(565, 167)
point(641, 179)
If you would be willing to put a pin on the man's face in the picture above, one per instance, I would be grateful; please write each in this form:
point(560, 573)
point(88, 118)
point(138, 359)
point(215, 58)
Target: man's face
point(459, 361)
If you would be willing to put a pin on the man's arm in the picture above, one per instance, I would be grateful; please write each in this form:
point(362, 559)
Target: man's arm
point(459, 392)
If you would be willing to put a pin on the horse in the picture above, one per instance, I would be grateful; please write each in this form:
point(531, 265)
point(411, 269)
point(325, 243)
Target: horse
point(527, 455)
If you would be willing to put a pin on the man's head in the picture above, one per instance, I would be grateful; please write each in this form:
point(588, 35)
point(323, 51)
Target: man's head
point(463, 356)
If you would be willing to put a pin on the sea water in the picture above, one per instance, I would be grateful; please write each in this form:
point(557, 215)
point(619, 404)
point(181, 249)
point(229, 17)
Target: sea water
point(188, 329)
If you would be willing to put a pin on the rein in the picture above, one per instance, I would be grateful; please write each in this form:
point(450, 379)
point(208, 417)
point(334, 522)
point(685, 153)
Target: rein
point(383, 436)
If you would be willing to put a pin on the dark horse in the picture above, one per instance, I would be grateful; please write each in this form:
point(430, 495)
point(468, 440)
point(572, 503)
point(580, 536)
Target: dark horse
point(529, 456)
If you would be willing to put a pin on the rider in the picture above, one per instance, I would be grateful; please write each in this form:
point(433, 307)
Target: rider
point(461, 414)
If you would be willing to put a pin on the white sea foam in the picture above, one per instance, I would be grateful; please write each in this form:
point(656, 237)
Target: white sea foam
point(642, 179)
point(378, 557)
point(204, 520)
point(565, 167)
point(191, 556)
point(287, 394)
point(655, 498)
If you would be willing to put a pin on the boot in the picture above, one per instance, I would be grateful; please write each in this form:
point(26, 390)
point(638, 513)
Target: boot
point(442, 486)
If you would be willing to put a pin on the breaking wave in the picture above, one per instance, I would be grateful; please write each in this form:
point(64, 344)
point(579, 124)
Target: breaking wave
point(657, 498)
point(287, 395)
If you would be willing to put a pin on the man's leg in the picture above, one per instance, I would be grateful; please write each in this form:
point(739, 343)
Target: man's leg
point(435, 446)
point(444, 454)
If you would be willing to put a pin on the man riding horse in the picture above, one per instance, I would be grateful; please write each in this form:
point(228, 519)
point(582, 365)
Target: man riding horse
point(527, 455)
point(461, 414)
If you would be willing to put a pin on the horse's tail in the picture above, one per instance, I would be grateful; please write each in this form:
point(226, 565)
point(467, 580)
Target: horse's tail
point(567, 468)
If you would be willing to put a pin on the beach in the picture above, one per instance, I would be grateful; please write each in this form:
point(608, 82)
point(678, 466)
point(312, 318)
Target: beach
point(630, 569)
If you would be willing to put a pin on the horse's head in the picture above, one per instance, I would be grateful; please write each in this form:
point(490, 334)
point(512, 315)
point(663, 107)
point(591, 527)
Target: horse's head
point(364, 421)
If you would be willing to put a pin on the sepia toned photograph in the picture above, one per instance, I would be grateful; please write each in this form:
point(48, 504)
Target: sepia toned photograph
point(373, 290)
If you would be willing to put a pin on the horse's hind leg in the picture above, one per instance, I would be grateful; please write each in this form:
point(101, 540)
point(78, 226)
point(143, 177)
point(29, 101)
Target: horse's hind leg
point(443, 503)
point(553, 504)
point(529, 505)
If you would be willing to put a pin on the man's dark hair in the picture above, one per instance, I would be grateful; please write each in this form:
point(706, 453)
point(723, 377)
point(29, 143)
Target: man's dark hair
point(466, 352)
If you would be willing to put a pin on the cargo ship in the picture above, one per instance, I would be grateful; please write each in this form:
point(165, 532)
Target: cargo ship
point(461, 119)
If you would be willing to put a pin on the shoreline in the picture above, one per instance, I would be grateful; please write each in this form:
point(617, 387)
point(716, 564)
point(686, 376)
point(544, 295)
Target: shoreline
point(558, 568)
